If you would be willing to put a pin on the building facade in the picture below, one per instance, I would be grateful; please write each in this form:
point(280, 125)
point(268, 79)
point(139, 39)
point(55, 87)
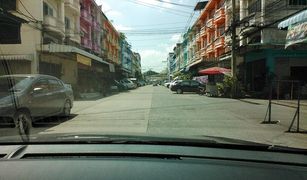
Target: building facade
point(69, 39)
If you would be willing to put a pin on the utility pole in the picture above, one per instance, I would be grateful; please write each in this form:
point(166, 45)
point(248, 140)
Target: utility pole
point(233, 40)
point(233, 50)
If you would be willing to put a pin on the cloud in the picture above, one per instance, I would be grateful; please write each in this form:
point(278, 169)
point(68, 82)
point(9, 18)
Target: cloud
point(121, 27)
point(106, 8)
point(153, 59)
point(176, 37)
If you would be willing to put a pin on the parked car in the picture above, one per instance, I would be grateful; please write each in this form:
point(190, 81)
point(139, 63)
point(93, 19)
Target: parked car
point(26, 98)
point(173, 83)
point(167, 84)
point(128, 83)
point(120, 86)
point(186, 86)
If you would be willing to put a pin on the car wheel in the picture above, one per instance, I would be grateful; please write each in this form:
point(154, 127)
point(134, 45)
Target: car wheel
point(23, 122)
point(66, 108)
point(179, 91)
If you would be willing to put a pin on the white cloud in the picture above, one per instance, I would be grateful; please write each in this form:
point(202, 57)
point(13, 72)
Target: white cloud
point(106, 8)
point(176, 37)
point(121, 27)
point(153, 59)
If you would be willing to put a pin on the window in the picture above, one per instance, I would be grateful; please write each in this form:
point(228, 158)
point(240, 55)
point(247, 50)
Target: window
point(297, 2)
point(41, 86)
point(54, 84)
point(67, 23)
point(47, 9)
point(194, 83)
point(185, 83)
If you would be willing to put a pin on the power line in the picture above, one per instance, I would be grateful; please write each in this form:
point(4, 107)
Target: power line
point(177, 4)
point(27, 10)
point(161, 7)
point(171, 11)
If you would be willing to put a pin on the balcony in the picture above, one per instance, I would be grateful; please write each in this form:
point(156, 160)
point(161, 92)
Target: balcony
point(203, 31)
point(73, 5)
point(219, 16)
point(86, 16)
point(220, 43)
point(210, 23)
point(96, 25)
point(198, 37)
point(96, 47)
point(87, 43)
point(210, 48)
point(203, 52)
point(54, 25)
point(197, 55)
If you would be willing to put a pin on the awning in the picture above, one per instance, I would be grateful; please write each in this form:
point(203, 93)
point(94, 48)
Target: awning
point(300, 17)
point(28, 57)
point(214, 70)
point(194, 63)
point(225, 58)
point(65, 49)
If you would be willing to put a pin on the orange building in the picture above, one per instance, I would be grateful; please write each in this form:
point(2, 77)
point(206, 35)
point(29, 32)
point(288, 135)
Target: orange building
point(210, 31)
point(111, 45)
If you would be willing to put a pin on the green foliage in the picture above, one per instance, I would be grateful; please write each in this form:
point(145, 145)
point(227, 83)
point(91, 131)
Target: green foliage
point(183, 76)
point(231, 87)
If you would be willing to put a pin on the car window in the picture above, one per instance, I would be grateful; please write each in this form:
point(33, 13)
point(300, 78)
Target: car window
point(41, 85)
point(194, 83)
point(185, 83)
point(54, 84)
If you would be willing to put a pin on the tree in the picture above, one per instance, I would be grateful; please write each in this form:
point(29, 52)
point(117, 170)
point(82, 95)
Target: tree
point(183, 76)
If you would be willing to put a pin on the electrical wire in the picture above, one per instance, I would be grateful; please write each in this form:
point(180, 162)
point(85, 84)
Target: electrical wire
point(177, 4)
point(27, 10)
point(154, 7)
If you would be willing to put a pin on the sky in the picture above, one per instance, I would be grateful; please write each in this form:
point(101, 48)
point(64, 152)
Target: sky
point(152, 27)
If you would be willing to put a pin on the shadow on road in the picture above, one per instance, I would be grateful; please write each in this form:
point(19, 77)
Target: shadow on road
point(52, 121)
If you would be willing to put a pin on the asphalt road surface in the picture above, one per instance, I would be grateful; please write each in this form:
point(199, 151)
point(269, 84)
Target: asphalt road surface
point(158, 111)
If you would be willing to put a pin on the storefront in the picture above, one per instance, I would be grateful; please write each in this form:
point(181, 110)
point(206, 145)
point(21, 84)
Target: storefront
point(15, 64)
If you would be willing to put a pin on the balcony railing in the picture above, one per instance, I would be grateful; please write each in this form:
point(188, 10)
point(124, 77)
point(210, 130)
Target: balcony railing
point(220, 42)
point(210, 23)
point(85, 42)
point(86, 16)
point(203, 31)
point(73, 4)
point(197, 37)
point(96, 25)
point(210, 48)
point(220, 14)
point(54, 24)
point(96, 47)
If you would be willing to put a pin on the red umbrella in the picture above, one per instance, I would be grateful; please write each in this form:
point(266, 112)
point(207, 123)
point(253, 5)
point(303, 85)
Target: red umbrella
point(214, 70)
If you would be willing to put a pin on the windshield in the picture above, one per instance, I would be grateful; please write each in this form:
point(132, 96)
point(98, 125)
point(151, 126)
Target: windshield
point(8, 84)
point(166, 68)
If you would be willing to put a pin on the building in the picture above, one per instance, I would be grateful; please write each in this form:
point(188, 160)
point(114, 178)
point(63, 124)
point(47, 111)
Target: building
point(137, 68)
point(126, 57)
point(63, 39)
point(262, 44)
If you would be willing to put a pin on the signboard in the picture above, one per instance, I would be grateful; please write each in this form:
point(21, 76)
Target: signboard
point(84, 60)
point(296, 34)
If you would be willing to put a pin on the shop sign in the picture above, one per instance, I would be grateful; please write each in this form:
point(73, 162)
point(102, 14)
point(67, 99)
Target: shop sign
point(84, 60)
point(296, 34)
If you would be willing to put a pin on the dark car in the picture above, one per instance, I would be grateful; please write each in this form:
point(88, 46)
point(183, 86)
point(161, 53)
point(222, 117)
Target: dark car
point(186, 86)
point(26, 98)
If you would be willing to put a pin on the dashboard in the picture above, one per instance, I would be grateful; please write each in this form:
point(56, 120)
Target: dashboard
point(132, 161)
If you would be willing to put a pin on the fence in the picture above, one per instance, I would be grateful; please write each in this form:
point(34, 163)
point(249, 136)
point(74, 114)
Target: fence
point(285, 92)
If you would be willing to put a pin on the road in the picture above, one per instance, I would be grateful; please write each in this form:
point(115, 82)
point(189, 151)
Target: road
point(158, 111)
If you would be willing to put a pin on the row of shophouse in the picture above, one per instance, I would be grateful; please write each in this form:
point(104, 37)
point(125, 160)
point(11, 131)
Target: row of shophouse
point(263, 33)
point(69, 39)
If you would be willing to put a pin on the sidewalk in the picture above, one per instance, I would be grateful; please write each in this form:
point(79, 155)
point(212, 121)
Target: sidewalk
point(287, 103)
